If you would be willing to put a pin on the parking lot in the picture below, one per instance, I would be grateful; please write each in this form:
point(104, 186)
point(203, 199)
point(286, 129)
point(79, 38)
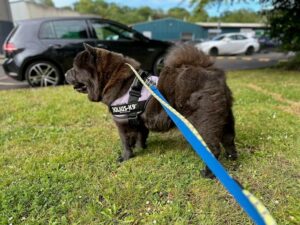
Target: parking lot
point(256, 61)
point(239, 62)
point(7, 82)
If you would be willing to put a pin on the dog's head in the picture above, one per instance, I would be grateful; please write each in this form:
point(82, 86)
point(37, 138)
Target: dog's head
point(95, 70)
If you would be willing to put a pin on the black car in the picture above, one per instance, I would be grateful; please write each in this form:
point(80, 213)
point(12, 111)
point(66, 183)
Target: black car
point(42, 50)
point(268, 44)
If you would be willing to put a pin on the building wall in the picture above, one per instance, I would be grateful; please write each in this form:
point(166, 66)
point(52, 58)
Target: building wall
point(5, 14)
point(22, 10)
point(6, 24)
point(169, 29)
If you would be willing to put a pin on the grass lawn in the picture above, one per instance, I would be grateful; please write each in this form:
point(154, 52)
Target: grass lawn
point(58, 156)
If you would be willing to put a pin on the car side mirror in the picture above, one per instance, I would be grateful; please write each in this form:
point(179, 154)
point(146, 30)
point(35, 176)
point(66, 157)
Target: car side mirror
point(140, 37)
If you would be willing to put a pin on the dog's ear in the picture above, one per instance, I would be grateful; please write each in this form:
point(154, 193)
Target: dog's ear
point(89, 48)
point(91, 51)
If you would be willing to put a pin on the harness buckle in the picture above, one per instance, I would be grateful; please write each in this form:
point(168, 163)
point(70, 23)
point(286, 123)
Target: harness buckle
point(135, 93)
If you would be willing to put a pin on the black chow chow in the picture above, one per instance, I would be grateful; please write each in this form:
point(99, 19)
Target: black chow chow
point(189, 82)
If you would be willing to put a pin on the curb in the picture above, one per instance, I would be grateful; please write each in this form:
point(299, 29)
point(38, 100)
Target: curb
point(246, 58)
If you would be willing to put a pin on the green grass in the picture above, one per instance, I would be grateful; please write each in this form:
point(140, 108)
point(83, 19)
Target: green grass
point(58, 156)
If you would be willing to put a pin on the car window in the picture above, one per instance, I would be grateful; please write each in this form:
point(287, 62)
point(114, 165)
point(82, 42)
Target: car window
point(110, 32)
point(241, 37)
point(64, 29)
point(233, 37)
point(237, 37)
point(218, 38)
point(12, 35)
point(47, 31)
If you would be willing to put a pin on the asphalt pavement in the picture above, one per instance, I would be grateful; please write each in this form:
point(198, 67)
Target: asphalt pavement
point(256, 61)
point(7, 82)
point(227, 63)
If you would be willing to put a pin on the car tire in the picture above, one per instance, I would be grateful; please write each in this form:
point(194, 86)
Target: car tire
point(158, 65)
point(213, 51)
point(249, 51)
point(43, 73)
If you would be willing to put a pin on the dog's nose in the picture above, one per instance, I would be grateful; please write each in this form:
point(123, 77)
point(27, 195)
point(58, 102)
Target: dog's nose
point(69, 76)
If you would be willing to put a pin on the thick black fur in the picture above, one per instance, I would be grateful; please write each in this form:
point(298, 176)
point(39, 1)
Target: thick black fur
point(189, 82)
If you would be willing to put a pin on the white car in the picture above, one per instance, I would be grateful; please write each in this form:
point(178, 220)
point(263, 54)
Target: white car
point(230, 44)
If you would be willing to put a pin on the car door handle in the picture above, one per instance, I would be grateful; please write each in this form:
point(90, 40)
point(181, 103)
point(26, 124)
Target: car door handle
point(55, 46)
point(101, 46)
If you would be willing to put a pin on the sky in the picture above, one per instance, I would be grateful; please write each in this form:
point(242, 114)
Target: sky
point(166, 4)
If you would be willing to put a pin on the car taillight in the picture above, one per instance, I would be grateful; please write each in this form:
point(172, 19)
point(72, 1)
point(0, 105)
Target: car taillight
point(9, 47)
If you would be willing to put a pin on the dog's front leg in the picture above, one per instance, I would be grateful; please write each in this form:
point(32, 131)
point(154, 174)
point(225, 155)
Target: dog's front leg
point(143, 133)
point(128, 138)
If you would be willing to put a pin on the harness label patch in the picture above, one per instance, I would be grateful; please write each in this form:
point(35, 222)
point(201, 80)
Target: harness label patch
point(124, 108)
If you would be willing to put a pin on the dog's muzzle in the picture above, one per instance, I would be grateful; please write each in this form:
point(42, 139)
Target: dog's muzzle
point(70, 76)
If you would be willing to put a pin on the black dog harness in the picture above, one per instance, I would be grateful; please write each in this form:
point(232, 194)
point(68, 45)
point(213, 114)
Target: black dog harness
point(134, 102)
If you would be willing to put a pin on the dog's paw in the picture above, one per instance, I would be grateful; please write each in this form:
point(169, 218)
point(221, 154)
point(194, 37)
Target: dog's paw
point(207, 174)
point(142, 146)
point(232, 156)
point(122, 158)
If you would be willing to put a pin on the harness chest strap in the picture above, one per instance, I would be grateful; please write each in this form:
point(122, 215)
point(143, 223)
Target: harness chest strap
point(134, 95)
point(133, 103)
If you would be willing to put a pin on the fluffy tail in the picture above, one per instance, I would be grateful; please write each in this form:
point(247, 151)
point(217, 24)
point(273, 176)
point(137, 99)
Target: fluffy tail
point(180, 55)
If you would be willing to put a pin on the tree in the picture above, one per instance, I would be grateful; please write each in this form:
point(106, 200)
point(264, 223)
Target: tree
point(179, 13)
point(241, 16)
point(114, 11)
point(198, 15)
point(284, 21)
point(201, 4)
point(145, 12)
point(85, 6)
point(46, 2)
point(283, 18)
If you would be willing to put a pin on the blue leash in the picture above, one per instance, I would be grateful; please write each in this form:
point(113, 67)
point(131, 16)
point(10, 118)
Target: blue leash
point(253, 207)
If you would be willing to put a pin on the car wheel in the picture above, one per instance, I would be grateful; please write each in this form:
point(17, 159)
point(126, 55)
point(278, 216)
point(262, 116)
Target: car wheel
point(249, 51)
point(214, 51)
point(42, 74)
point(158, 65)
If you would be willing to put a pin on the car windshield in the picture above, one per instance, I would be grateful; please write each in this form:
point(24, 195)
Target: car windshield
point(218, 38)
point(110, 32)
